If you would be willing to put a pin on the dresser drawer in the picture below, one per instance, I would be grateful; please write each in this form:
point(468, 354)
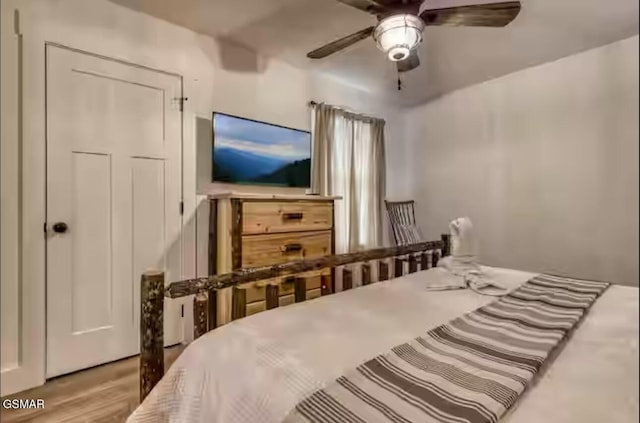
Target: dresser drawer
point(267, 250)
point(260, 217)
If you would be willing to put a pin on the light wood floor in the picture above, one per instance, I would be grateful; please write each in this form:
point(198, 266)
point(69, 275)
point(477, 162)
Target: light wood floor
point(107, 393)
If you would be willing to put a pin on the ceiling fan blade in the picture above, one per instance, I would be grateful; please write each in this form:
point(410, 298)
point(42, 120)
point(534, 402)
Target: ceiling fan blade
point(370, 6)
point(491, 14)
point(410, 63)
point(337, 45)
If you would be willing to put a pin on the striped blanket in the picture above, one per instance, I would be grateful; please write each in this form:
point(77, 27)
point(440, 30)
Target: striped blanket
point(472, 369)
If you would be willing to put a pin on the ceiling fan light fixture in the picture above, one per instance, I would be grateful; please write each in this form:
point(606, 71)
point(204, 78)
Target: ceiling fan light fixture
point(398, 53)
point(397, 35)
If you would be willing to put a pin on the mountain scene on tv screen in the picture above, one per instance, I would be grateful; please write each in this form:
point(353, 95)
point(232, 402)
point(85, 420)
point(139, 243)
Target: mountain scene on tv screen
point(256, 153)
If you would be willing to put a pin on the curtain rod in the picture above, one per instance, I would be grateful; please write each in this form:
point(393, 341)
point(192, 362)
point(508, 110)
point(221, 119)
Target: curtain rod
point(348, 112)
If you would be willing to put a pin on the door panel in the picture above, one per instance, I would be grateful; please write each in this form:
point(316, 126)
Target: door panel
point(114, 177)
point(92, 278)
point(101, 94)
point(151, 248)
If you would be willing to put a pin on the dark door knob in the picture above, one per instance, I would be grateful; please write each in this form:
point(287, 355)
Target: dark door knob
point(60, 227)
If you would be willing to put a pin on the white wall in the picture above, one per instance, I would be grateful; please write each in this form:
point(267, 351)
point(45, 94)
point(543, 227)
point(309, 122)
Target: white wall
point(544, 161)
point(11, 242)
point(22, 360)
point(216, 76)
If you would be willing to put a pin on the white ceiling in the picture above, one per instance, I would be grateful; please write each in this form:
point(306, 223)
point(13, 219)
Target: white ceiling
point(452, 58)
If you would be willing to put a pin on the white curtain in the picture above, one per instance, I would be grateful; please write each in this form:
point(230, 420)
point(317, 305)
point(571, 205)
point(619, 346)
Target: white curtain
point(349, 161)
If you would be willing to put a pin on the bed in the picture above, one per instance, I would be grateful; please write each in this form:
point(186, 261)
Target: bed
point(257, 369)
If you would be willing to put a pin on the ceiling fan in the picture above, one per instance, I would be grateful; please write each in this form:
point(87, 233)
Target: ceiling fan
point(401, 22)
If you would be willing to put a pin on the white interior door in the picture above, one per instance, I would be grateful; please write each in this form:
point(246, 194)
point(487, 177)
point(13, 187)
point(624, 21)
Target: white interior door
point(114, 180)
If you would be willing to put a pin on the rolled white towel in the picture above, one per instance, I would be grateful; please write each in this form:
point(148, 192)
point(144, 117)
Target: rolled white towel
point(463, 238)
point(464, 248)
point(468, 274)
point(463, 261)
point(460, 266)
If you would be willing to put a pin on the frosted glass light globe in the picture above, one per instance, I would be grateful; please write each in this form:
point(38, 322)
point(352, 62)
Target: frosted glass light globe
point(399, 34)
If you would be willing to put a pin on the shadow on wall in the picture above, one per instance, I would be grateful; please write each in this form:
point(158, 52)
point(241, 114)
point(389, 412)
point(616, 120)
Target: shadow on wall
point(293, 26)
point(236, 58)
point(244, 27)
point(226, 52)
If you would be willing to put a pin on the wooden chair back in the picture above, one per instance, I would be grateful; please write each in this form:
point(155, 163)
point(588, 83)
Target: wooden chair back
point(400, 213)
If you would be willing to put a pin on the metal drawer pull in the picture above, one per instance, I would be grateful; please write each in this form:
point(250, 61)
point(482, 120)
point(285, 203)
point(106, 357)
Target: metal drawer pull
point(292, 216)
point(287, 248)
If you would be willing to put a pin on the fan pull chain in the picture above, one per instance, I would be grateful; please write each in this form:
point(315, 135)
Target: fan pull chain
point(399, 82)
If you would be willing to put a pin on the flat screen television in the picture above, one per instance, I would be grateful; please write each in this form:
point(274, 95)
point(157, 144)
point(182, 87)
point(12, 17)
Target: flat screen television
point(246, 151)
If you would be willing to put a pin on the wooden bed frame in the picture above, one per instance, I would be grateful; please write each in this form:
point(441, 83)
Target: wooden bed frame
point(153, 291)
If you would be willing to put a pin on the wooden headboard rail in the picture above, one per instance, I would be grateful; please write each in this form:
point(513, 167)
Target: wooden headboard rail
point(153, 292)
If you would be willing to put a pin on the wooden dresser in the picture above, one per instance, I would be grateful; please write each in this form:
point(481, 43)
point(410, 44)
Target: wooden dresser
point(257, 230)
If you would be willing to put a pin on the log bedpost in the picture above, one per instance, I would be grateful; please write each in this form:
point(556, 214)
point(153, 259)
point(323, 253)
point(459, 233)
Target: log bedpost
point(413, 264)
point(446, 244)
point(326, 282)
point(365, 275)
point(151, 331)
point(435, 258)
point(383, 271)
point(347, 279)
point(424, 260)
point(200, 305)
point(398, 267)
point(300, 289)
point(272, 296)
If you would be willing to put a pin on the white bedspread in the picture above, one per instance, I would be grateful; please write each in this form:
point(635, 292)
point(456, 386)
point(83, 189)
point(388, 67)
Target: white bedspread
point(257, 369)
